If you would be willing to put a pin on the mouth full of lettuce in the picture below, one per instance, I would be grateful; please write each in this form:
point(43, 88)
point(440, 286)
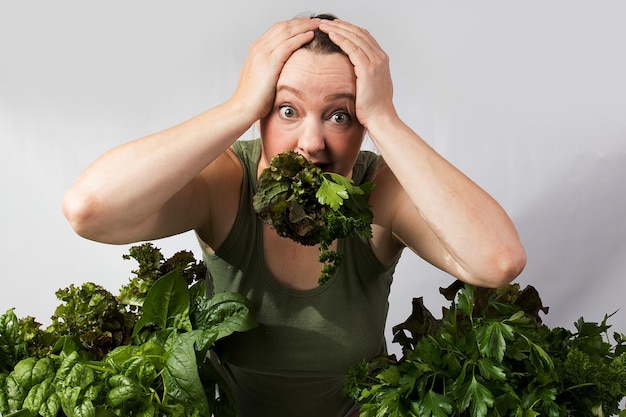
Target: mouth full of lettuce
point(303, 203)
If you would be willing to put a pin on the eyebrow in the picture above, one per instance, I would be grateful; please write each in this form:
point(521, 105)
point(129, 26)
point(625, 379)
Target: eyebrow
point(300, 94)
point(349, 96)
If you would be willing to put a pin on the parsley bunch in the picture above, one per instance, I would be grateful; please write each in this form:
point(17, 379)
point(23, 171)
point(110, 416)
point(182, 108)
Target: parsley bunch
point(490, 355)
point(312, 207)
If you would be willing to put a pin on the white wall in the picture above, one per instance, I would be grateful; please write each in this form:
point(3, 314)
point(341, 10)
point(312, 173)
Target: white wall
point(527, 98)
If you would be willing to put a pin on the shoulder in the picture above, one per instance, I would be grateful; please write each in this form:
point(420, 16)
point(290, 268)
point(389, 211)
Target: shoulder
point(224, 171)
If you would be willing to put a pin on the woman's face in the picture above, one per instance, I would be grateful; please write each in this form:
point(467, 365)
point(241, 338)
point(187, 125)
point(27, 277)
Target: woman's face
point(314, 112)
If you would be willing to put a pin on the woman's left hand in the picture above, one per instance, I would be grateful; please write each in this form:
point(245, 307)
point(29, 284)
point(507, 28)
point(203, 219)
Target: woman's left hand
point(374, 88)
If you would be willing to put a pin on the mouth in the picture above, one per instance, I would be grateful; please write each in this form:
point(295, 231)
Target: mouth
point(323, 166)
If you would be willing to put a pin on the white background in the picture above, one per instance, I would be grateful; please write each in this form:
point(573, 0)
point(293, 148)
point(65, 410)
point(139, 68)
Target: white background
point(527, 98)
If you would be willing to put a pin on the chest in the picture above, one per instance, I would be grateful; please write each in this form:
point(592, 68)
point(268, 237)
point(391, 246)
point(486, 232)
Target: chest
point(291, 264)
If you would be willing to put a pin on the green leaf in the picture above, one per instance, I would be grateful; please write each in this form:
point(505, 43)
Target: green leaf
point(22, 413)
point(535, 394)
point(312, 207)
point(491, 339)
point(84, 409)
point(477, 397)
point(38, 396)
point(390, 405)
point(345, 182)
point(181, 377)
point(521, 368)
point(539, 358)
point(221, 315)
point(122, 389)
point(44, 368)
point(331, 194)
point(490, 370)
point(12, 347)
point(390, 376)
point(31, 371)
point(435, 405)
point(80, 376)
point(150, 352)
point(166, 304)
point(466, 300)
point(74, 405)
point(66, 366)
point(51, 407)
point(91, 315)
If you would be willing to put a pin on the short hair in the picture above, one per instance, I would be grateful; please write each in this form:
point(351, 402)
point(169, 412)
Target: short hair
point(321, 43)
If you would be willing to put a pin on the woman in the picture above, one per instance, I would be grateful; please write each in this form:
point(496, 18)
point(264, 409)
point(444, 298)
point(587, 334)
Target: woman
point(315, 86)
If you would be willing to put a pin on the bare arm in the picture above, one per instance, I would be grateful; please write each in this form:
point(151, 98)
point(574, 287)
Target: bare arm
point(122, 196)
point(161, 184)
point(437, 211)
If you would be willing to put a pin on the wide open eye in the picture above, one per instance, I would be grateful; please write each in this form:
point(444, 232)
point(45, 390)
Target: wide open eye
point(340, 118)
point(287, 112)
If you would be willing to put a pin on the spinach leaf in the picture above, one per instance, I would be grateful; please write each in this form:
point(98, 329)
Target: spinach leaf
point(181, 377)
point(157, 366)
point(166, 304)
point(222, 315)
point(12, 347)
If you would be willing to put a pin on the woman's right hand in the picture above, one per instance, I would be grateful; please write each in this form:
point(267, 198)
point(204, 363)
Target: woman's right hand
point(266, 58)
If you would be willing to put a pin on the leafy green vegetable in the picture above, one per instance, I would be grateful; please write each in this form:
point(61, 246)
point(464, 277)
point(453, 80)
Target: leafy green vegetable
point(12, 346)
point(160, 368)
point(312, 207)
point(152, 266)
point(491, 355)
point(91, 314)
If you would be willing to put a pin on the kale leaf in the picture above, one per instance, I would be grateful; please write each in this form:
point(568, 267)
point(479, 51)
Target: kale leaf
point(309, 206)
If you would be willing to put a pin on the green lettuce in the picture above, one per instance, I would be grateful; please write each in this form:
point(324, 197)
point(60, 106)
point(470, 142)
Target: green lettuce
point(309, 206)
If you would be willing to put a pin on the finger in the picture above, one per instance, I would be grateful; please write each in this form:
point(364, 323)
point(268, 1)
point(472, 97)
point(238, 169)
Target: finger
point(287, 30)
point(354, 49)
point(350, 36)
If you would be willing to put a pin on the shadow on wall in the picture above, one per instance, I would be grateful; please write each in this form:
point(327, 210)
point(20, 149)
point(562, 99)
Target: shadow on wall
point(575, 236)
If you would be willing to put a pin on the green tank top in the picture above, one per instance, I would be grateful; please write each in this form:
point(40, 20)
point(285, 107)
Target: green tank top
point(295, 363)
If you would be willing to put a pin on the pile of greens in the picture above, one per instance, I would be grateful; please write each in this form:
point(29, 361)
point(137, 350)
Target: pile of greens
point(141, 353)
point(311, 207)
point(491, 355)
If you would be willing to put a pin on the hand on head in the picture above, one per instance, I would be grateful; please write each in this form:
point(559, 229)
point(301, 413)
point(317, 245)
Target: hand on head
point(266, 57)
point(374, 88)
point(268, 54)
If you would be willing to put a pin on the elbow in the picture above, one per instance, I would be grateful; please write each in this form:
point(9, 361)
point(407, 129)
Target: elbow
point(80, 212)
point(94, 219)
point(496, 268)
point(507, 265)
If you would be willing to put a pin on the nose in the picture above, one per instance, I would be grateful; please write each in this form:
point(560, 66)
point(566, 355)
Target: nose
point(311, 139)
